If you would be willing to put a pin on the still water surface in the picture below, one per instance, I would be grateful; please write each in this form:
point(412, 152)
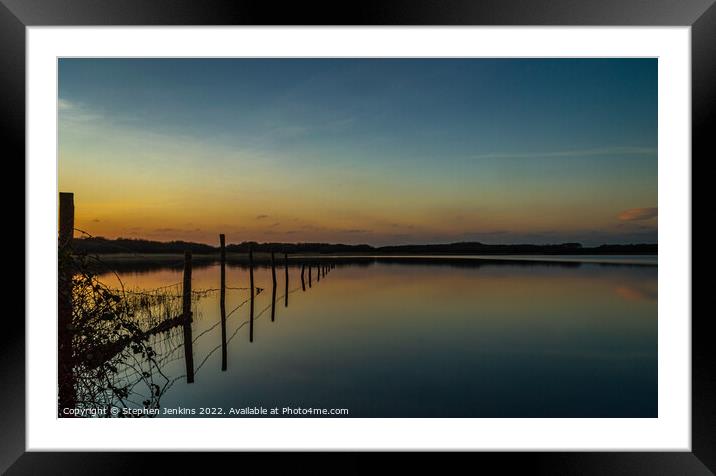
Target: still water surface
point(423, 339)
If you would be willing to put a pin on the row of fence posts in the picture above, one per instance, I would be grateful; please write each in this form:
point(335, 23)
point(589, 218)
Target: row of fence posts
point(65, 371)
point(321, 271)
point(66, 393)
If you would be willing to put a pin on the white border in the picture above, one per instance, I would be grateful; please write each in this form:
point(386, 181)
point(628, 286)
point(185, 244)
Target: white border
point(670, 431)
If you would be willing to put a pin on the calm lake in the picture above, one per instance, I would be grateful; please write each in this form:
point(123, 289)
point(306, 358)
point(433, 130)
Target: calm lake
point(425, 338)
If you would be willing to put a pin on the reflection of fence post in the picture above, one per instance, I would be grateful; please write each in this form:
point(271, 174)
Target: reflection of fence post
point(285, 267)
point(273, 289)
point(65, 376)
point(303, 282)
point(251, 279)
point(222, 301)
point(186, 307)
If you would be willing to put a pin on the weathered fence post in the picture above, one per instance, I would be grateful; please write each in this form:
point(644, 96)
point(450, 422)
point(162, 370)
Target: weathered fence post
point(67, 218)
point(251, 279)
point(222, 301)
point(303, 282)
point(318, 273)
point(309, 275)
point(186, 307)
point(285, 267)
point(273, 290)
point(65, 375)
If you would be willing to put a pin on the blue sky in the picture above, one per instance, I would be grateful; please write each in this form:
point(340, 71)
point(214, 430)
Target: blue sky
point(363, 150)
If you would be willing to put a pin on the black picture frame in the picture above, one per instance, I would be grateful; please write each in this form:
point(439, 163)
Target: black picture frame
point(700, 15)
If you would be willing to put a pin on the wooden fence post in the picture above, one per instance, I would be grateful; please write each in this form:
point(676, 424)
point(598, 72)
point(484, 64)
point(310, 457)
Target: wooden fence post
point(309, 275)
point(186, 307)
point(65, 365)
point(222, 301)
point(251, 279)
point(285, 267)
point(67, 218)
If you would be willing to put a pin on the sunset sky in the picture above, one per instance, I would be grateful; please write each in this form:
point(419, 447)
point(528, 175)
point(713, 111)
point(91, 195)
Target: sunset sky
point(378, 151)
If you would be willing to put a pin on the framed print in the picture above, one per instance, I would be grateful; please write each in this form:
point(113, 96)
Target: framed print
point(464, 227)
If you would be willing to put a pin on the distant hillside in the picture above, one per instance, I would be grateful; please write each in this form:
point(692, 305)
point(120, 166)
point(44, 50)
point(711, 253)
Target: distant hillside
point(126, 245)
point(101, 245)
point(481, 248)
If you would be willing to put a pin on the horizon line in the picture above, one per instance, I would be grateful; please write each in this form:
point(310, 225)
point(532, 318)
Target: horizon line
point(573, 243)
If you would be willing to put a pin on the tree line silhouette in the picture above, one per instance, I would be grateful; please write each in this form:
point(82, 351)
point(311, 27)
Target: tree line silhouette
point(100, 245)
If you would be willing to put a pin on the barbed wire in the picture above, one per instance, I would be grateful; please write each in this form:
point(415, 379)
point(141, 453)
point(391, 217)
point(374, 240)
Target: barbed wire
point(155, 358)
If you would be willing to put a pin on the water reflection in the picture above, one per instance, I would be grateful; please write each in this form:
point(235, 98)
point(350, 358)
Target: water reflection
point(222, 302)
point(638, 292)
point(390, 338)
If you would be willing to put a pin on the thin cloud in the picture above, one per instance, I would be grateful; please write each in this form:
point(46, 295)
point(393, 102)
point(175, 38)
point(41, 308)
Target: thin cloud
point(261, 217)
point(638, 214)
point(64, 104)
point(488, 233)
point(72, 112)
point(176, 230)
point(594, 152)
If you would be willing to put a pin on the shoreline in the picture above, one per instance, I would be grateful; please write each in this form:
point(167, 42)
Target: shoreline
point(641, 259)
